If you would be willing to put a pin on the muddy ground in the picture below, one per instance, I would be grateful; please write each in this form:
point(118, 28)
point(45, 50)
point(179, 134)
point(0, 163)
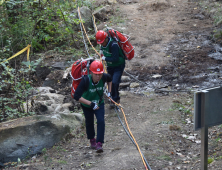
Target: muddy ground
point(173, 39)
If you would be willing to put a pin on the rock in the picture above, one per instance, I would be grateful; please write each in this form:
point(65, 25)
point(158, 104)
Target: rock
point(112, 2)
point(199, 16)
point(134, 85)
point(198, 141)
point(128, 1)
point(101, 13)
point(49, 82)
point(101, 27)
point(28, 136)
point(66, 73)
point(123, 85)
point(184, 135)
point(86, 16)
point(42, 90)
point(60, 65)
point(41, 109)
point(123, 93)
point(42, 72)
point(157, 76)
point(125, 78)
point(216, 55)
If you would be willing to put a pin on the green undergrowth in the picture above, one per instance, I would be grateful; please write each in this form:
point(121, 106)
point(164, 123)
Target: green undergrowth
point(48, 26)
point(214, 10)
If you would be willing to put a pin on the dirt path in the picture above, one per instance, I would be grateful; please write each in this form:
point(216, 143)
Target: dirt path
point(169, 36)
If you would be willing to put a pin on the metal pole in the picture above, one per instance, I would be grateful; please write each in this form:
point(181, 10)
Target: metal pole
point(204, 148)
point(204, 132)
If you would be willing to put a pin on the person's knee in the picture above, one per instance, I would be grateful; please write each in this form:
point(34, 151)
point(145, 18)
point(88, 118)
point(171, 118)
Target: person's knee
point(101, 122)
point(89, 125)
point(115, 85)
point(116, 80)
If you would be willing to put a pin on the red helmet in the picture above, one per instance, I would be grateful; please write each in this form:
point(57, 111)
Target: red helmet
point(96, 67)
point(101, 36)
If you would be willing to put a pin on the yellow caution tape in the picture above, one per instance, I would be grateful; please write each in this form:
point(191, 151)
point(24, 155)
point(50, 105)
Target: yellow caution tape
point(28, 50)
point(20, 52)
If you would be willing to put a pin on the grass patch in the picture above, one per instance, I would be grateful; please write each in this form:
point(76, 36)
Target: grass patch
point(154, 112)
point(210, 160)
point(116, 19)
point(164, 157)
point(218, 158)
point(62, 162)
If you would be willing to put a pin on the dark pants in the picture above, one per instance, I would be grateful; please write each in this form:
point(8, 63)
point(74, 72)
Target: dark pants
point(116, 73)
point(89, 120)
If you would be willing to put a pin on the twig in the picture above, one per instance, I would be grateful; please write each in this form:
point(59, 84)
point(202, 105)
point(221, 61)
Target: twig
point(134, 77)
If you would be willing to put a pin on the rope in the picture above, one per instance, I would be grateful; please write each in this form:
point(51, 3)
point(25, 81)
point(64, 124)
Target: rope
point(83, 36)
point(87, 35)
point(109, 97)
point(131, 137)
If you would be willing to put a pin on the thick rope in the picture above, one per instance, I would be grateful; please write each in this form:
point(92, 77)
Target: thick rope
point(83, 36)
point(87, 35)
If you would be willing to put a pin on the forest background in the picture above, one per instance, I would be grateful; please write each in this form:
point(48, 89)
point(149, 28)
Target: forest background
point(46, 25)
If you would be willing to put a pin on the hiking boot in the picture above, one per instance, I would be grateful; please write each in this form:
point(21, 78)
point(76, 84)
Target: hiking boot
point(99, 148)
point(93, 143)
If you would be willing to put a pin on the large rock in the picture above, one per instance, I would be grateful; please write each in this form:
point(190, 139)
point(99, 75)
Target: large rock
point(86, 16)
point(28, 136)
point(101, 13)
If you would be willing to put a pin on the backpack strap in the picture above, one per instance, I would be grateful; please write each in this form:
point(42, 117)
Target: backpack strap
point(110, 45)
point(86, 79)
point(101, 97)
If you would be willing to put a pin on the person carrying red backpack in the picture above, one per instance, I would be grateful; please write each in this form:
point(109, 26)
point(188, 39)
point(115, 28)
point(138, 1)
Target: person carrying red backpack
point(90, 94)
point(115, 59)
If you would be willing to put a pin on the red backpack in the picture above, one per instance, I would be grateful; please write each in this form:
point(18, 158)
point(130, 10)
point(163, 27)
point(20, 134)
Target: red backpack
point(123, 42)
point(79, 69)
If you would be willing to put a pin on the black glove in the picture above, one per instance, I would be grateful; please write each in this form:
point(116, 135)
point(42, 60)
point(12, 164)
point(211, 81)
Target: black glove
point(94, 106)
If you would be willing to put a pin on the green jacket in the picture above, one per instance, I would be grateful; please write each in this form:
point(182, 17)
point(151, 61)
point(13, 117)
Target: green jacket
point(108, 54)
point(94, 92)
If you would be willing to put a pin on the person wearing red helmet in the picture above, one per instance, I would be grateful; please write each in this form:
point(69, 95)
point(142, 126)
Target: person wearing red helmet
point(115, 59)
point(90, 94)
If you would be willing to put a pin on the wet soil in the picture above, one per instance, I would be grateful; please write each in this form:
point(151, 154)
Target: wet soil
point(172, 39)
